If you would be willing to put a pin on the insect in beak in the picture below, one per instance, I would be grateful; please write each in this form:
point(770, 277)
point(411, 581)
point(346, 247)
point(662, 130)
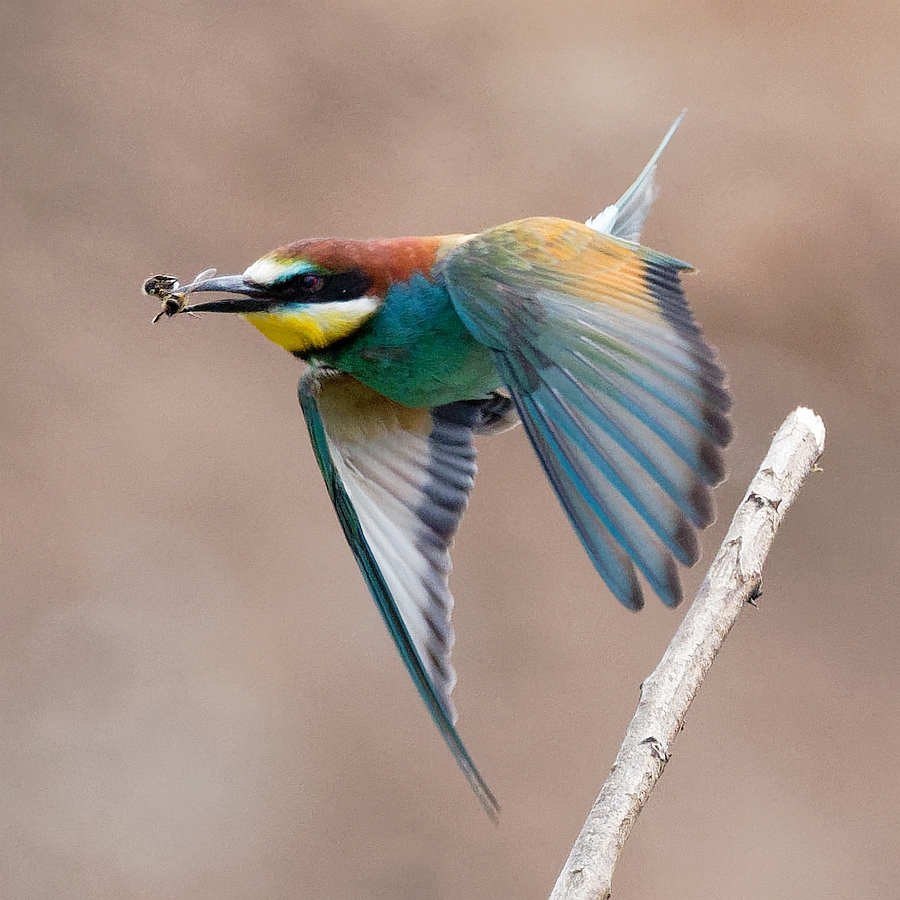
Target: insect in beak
point(172, 294)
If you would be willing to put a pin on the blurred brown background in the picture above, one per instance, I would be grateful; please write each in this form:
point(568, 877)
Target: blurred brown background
point(197, 698)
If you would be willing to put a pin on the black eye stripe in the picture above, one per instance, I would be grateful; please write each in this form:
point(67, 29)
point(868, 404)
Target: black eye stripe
point(322, 287)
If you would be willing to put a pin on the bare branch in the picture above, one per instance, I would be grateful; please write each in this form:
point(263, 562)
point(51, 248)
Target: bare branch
point(733, 579)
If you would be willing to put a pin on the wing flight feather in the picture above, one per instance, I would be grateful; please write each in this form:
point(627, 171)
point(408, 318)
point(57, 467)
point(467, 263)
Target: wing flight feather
point(621, 398)
point(400, 480)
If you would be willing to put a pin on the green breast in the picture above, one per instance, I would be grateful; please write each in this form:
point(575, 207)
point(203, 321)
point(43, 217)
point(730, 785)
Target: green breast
point(417, 351)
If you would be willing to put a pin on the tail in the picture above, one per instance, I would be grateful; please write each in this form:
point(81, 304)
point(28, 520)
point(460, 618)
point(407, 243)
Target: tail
point(626, 218)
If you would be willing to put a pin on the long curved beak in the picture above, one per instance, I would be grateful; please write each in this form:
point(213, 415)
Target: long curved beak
point(254, 297)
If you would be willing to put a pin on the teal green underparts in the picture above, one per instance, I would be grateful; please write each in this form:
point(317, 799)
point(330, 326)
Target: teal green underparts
point(417, 351)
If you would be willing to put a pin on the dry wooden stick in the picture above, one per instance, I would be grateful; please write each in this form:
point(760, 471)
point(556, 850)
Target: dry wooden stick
point(733, 579)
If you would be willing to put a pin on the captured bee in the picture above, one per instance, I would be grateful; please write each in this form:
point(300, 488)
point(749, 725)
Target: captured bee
point(166, 289)
point(171, 293)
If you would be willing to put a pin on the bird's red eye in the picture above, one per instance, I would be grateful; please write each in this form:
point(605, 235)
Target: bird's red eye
point(311, 283)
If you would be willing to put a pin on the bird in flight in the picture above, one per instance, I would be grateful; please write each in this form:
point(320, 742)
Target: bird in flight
point(416, 345)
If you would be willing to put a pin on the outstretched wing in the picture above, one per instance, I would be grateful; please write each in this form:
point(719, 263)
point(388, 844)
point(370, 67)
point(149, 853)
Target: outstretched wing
point(400, 480)
point(622, 399)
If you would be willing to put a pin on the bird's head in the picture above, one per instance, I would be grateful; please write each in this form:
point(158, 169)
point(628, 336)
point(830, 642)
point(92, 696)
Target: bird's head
point(313, 294)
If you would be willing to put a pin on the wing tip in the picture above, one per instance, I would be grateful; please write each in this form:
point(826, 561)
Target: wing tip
point(712, 463)
point(490, 805)
point(674, 599)
point(666, 585)
point(634, 601)
point(631, 595)
point(718, 425)
point(685, 539)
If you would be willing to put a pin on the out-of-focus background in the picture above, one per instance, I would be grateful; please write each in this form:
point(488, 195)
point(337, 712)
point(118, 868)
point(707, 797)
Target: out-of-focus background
point(197, 698)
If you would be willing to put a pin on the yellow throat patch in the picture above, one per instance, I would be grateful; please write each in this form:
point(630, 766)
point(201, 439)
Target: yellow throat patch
point(314, 326)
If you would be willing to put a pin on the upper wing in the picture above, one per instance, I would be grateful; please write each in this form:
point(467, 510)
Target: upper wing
point(620, 396)
point(625, 218)
point(400, 479)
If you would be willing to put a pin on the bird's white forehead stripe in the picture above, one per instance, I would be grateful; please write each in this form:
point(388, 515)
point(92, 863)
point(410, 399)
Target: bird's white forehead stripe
point(268, 269)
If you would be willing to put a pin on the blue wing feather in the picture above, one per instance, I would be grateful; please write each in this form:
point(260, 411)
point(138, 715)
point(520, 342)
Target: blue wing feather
point(591, 478)
point(609, 559)
point(622, 399)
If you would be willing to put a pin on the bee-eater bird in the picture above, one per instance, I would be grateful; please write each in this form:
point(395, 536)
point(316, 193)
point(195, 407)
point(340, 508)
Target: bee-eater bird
point(418, 344)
